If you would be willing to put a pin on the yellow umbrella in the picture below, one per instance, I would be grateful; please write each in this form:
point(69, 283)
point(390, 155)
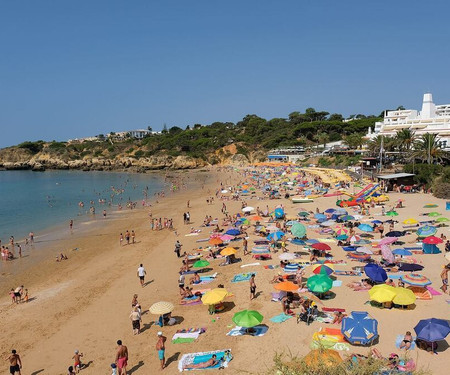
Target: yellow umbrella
point(228, 251)
point(410, 221)
point(160, 308)
point(382, 293)
point(404, 297)
point(214, 296)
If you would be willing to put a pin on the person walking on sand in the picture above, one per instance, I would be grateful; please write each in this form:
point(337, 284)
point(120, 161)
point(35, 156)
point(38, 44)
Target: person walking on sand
point(77, 359)
point(161, 348)
point(127, 237)
point(141, 272)
point(15, 363)
point(133, 237)
point(121, 358)
point(252, 287)
point(178, 248)
point(121, 239)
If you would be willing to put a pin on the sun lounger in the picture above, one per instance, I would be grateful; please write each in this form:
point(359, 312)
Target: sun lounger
point(195, 358)
point(259, 330)
point(242, 277)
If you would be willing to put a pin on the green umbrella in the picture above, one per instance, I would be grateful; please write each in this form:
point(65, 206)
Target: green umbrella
point(433, 214)
point(320, 283)
point(247, 318)
point(391, 213)
point(303, 214)
point(298, 230)
point(441, 220)
point(201, 263)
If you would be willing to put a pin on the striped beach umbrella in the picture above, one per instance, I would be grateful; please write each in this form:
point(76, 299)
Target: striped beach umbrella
point(426, 230)
point(415, 279)
point(327, 268)
point(160, 308)
point(359, 256)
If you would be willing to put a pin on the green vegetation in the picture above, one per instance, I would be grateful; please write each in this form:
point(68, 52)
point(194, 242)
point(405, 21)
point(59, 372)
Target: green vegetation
point(33, 147)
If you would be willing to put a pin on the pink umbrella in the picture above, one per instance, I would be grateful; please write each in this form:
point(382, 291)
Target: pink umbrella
point(432, 240)
point(226, 237)
point(387, 253)
point(388, 240)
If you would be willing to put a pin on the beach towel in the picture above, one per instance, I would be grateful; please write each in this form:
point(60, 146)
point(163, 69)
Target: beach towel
point(344, 273)
point(260, 330)
point(342, 346)
point(433, 291)
point(272, 266)
point(195, 358)
point(242, 277)
point(251, 264)
point(280, 318)
point(337, 283)
point(333, 309)
point(399, 340)
point(262, 256)
point(184, 336)
point(194, 300)
point(394, 276)
point(261, 250)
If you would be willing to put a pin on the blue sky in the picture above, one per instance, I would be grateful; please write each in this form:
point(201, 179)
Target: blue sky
point(79, 68)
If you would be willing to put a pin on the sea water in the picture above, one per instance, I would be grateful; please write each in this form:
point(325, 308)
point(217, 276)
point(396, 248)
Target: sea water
point(35, 201)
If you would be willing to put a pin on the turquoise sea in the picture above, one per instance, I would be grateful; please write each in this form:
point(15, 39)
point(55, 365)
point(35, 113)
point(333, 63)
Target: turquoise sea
point(36, 201)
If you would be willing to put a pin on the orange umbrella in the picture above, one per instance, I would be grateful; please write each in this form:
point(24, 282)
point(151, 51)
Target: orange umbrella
point(286, 286)
point(215, 241)
point(228, 251)
point(256, 218)
point(324, 357)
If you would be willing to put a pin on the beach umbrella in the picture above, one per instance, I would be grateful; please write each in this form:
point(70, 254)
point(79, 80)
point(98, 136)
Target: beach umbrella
point(214, 296)
point(233, 232)
point(340, 211)
point(320, 216)
point(430, 205)
point(321, 246)
point(330, 210)
point(402, 252)
point(228, 251)
point(410, 267)
point(410, 221)
point(286, 286)
point(421, 292)
point(247, 318)
point(322, 357)
point(404, 297)
point(298, 230)
point(355, 238)
point(382, 293)
point(359, 256)
point(386, 253)
point(415, 279)
point(303, 214)
point(346, 218)
point(426, 231)
point(391, 213)
point(226, 237)
point(432, 240)
point(279, 213)
point(388, 240)
point(256, 218)
point(376, 222)
point(287, 256)
point(298, 242)
point(328, 223)
point(364, 250)
point(320, 268)
point(395, 233)
point(342, 237)
point(248, 209)
point(375, 273)
point(200, 263)
point(442, 220)
point(365, 228)
point(434, 214)
point(275, 235)
point(432, 330)
point(320, 283)
point(359, 328)
point(312, 241)
point(215, 241)
point(160, 308)
point(340, 230)
point(362, 241)
point(244, 221)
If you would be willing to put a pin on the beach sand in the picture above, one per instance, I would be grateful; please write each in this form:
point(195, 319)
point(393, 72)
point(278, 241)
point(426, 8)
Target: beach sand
point(84, 303)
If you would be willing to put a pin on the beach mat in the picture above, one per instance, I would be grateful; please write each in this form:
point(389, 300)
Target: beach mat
point(259, 330)
point(399, 340)
point(280, 318)
point(242, 277)
point(433, 291)
point(195, 358)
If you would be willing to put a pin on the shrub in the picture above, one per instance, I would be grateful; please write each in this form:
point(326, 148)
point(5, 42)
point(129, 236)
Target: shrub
point(424, 173)
point(33, 147)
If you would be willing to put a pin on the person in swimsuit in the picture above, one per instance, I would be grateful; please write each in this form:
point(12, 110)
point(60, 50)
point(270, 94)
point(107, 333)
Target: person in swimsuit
point(196, 279)
point(160, 347)
point(15, 363)
point(444, 278)
point(122, 358)
point(209, 363)
point(407, 340)
point(252, 287)
point(77, 359)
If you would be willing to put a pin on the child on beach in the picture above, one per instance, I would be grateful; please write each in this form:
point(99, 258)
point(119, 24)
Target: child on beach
point(25, 297)
point(114, 369)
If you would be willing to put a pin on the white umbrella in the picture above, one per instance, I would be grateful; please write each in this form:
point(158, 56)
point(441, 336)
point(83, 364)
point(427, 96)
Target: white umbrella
point(328, 223)
point(224, 191)
point(248, 209)
point(287, 256)
point(364, 250)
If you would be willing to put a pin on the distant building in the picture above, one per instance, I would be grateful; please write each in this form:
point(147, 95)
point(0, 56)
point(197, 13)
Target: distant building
point(139, 134)
point(431, 119)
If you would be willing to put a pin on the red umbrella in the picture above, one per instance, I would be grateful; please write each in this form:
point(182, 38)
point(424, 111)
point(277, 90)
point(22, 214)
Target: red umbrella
point(432, 240)
point(321, 246)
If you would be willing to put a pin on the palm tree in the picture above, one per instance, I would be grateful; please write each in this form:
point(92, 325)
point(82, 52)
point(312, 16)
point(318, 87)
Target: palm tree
point(405, 140)
point(354, 140)
point(428, 148)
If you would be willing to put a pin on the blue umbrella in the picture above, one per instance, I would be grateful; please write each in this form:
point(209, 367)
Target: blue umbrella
point(433, 329)
point(233, 232)
point(365, 228)
point(395, 233)
point(359, 328)
point(340, 211)
point(376, 222)
point(275, 235)
point(347, 218)
point(279, 213)
point(320, 216)
point(342, 237)
point(330, 210)
point(401, 252)
point(426, 231)
point(312, 241)
point(375, 273)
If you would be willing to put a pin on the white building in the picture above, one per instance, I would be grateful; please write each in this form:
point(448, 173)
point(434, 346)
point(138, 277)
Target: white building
point(431, 119)
point(139, 134)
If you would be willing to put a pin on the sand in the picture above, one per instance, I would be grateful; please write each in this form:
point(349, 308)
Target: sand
point(84, 303)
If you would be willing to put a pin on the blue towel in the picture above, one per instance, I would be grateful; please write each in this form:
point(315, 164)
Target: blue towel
point(280, 318)
point(399, 340)
point(337, 283)
point(394, 277)
point(242, 277)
